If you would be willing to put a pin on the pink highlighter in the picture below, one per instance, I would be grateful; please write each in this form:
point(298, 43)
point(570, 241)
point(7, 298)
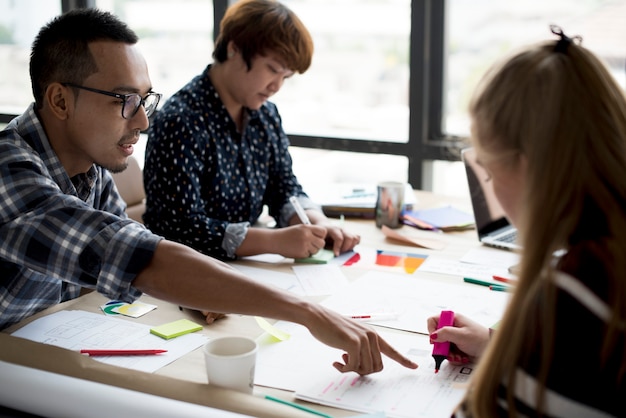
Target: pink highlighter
point(441, 350)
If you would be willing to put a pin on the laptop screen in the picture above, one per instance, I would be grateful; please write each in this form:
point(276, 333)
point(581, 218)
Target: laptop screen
point(488, 213)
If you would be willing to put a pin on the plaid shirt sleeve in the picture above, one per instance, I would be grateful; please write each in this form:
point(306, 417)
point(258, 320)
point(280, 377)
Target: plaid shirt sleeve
point(52, 240)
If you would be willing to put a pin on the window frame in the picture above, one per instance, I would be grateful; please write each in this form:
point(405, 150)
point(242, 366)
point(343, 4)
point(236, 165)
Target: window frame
point(426, 142)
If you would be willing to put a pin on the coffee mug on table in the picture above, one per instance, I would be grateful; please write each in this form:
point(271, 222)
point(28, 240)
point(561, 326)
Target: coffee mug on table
point(230, 362)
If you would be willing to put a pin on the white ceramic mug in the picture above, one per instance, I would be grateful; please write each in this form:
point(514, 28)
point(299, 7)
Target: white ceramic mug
point(230, 362)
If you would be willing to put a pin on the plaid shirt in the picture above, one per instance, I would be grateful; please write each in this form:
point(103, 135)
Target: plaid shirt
point(59, 234)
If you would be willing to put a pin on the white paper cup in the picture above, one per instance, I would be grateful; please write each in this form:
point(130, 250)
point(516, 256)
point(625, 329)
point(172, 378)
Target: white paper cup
point(389, 204)
point(230, 362)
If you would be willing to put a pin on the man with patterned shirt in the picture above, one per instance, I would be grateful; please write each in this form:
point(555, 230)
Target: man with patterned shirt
point(62, 221)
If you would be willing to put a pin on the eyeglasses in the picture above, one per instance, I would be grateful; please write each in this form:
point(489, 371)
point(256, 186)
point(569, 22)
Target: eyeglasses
point(130, 102)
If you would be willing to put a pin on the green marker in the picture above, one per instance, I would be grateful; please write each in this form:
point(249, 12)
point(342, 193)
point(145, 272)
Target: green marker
point(478, 282)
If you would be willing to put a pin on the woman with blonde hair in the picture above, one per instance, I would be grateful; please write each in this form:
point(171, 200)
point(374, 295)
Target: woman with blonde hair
point(549, 126)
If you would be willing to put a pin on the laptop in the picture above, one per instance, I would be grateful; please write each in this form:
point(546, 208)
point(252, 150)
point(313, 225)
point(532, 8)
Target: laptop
point(494, 229)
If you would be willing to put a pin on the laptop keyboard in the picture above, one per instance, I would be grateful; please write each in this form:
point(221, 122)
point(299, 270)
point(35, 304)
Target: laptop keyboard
point(508, 237)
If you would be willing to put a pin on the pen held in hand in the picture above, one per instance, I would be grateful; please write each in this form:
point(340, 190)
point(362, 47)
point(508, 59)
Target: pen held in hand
point(113, 352)
point(299, 210)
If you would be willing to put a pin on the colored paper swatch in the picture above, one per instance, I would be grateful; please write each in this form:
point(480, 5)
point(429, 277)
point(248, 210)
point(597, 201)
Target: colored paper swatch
point(409, 262)
point(134, 310)
point(108, 307)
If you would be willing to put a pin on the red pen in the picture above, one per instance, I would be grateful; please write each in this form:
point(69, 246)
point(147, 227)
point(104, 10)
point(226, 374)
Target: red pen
point(383, 316)
point(504, 279)
point(111, 352)
point(441, 350)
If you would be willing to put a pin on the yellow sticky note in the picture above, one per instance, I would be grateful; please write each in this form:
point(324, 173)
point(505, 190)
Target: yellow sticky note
point(175, 329)
point(272, 330)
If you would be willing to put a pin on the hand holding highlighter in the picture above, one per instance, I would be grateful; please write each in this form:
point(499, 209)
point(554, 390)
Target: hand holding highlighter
point(441, 350)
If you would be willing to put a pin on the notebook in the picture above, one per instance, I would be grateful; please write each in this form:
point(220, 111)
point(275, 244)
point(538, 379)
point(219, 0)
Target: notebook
point(494, 229)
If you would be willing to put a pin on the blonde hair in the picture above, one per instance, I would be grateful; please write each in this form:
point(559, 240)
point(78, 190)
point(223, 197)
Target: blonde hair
point(566, 115)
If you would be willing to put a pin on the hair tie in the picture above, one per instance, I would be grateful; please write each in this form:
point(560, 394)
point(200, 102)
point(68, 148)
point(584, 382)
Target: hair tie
point(564, 41)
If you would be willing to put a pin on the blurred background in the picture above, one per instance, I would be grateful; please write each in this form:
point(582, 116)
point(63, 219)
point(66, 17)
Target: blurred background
point(386, 95)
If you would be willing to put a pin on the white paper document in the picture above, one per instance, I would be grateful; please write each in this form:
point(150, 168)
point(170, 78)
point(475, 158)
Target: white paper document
point(413, 299)
point(76, 330)
point(494, 257)
point(307, 280)
point(284, 281)
point(462, 269)
point(304, 365)
point(320, 279)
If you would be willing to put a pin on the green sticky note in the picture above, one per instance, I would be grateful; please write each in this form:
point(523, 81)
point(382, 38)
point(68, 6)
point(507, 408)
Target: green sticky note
point(175, 329)
point(323, 256)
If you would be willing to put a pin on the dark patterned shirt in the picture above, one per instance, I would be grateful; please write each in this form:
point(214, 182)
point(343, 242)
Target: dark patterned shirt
point(206, 182)
point(59, 234)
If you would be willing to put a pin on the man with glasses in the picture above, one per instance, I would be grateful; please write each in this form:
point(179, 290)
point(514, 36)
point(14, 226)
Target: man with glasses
point(130, 102)
point(62, 221)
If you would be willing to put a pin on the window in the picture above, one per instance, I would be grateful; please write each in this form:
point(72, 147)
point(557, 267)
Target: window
point(476, 40)
point(358, 83)
point(176, 38)
point(357, 89)
point(386, 95)
point(19, 23)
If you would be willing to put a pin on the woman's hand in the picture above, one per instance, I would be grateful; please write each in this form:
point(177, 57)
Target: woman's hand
point(341, 239)
point(469, 339)
point(298, 241)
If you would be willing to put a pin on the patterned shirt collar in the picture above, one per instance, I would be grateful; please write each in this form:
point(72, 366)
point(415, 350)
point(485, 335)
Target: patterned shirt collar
point(32, 131)
point(214, 101)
